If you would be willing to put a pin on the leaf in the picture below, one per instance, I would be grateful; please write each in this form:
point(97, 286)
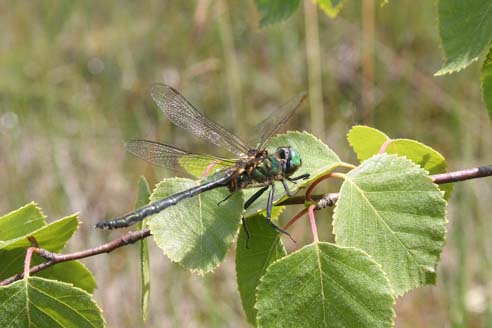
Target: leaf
point(274, 11)
point(143, 197)
point(11, 262)
point(72, 272)
point(429, 159)
point(51, 237)
point(367, 142)
point(325, 285)
point(317, 159)
point(465, 28)
point(21, 222)
point(196, 232)
point(39, 302)
point(390, 208)
point(486, 79)
point(265, 247)
point(30, 221)
point(143, 194)
point(330, 7)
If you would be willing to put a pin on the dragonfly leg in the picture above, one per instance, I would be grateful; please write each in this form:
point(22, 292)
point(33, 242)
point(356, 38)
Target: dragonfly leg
point(255, 196)
point(248, 236)
point(269, 213)
point(227, 197)
point(302, 176)
point(287, 190)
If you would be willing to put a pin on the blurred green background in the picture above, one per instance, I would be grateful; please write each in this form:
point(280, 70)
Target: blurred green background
point(74, 78)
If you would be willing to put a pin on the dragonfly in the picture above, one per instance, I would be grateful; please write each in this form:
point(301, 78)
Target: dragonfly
point(252, 167)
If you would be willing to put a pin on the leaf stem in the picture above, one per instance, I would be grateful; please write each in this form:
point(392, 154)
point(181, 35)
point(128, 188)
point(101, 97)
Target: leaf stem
point(295, 218)
point(27, 261)
point(347, 165)
point(384, 146)
point(312, 221)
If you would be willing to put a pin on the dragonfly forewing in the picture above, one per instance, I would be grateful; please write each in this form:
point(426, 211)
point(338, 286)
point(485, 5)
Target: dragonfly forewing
point(174, 158)
point(183, 114)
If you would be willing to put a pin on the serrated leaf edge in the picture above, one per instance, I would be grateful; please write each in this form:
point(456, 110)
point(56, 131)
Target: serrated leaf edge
point(173, 260)
point(316, 244)
point(445, 214)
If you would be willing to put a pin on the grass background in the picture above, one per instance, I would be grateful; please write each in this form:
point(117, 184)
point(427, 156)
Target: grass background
point(74, 78)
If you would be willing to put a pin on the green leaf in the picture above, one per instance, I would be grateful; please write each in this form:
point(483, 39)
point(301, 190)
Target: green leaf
point(39, 302)
point(274, 11)
point(486, 79)
point(330, 7)
point(21, 222)
point(325, 285)
point(51, 237)
point(317, 159)
point(390, 208)
point(265, 247)
point(143, 197)
point(367, 142)
point(196, 232)
point(72, 272)
point(466, 31)
point(143, 194)
point(12, 262)
point(30, 221)
point(429, 159)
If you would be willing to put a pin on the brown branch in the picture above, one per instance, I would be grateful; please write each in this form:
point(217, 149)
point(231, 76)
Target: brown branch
point(53, 258)
point(134, 236)
point(475, 173)
point(330, 199)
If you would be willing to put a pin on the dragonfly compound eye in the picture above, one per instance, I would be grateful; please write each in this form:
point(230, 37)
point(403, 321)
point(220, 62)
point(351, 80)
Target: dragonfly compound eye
point(291, 159)
point(294, 161)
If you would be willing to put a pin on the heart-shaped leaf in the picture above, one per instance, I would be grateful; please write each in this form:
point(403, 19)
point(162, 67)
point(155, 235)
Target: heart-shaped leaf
point(196, 232)
point(325, 285)
point(390, 208)
point(39, 302)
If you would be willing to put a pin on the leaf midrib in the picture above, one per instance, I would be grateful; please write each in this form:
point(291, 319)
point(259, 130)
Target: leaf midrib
point(383, 221)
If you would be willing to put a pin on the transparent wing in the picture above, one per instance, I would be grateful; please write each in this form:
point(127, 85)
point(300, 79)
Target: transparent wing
point(175, 158)
point(183, 114)
point(276, 121)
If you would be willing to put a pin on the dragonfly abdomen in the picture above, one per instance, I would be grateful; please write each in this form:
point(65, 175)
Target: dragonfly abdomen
point(162, 204)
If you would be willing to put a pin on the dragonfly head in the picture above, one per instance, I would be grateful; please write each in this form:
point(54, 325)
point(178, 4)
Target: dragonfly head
point(290, 159)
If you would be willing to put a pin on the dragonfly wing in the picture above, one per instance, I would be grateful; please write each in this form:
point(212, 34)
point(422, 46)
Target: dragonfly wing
point(174, 158)
point(183, 114)
point(276, 121)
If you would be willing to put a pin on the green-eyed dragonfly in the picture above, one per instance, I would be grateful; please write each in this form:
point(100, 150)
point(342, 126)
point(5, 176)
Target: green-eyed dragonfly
point(253, 167)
